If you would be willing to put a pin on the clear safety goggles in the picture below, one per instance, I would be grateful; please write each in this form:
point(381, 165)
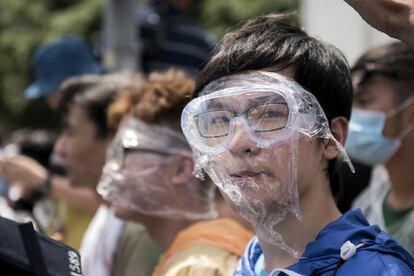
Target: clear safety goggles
point(267, 105)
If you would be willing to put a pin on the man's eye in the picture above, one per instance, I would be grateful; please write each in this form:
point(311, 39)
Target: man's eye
point(219, 120)
point(363, 100)
point(271, 114)
point(69, 131)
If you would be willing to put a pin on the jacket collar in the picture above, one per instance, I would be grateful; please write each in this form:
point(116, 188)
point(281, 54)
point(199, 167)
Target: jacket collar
point(323, 254)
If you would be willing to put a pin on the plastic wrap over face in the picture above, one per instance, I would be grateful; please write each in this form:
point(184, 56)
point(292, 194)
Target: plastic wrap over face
point(139, 174)
point(250, 133)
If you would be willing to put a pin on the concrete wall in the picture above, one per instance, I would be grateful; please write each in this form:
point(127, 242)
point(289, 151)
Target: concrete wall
point(336, 22)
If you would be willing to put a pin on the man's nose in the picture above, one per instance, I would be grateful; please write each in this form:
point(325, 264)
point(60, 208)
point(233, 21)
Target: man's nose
point(59, 148)
point(240, 143)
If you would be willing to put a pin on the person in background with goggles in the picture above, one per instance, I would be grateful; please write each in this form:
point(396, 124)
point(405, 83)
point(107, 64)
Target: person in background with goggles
point(267, 124)
point(382, 135)
point(148, 179)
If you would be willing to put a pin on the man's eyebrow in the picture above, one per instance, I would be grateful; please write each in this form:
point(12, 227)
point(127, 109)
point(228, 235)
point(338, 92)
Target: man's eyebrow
point(367, 93)
point(219, 105)
point(65, 125)
point(146, 150)
point(266, 100)
point(216, 105)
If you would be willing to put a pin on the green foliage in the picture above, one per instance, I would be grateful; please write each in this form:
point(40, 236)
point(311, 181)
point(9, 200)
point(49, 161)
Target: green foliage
point(219, 15)
point(24, 25)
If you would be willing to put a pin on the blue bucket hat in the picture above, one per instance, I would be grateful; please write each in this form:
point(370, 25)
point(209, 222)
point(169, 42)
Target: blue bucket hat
point(56, 61)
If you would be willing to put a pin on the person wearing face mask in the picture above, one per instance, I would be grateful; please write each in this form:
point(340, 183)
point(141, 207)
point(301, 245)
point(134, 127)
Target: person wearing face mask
point(381, 135)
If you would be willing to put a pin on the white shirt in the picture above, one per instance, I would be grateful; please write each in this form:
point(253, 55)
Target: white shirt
point(99, 243)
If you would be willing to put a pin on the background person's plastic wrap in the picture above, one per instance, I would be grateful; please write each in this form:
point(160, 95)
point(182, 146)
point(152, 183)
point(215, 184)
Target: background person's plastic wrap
point(139, 171)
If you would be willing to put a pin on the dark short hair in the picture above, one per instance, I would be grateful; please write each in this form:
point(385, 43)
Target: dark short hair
point(94, 95)
point(73, 86)
point(395, 61)
point(269, 41)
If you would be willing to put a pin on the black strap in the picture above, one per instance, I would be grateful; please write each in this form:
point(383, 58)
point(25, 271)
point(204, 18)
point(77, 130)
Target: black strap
point(338, 265)
point(33, 251)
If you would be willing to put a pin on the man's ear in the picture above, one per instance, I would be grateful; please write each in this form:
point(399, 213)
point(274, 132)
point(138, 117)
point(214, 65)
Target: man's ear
point(183, 169)
point(339, 129)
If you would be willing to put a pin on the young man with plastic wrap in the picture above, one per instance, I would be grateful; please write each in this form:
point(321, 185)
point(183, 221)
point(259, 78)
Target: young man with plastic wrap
point(267, 124)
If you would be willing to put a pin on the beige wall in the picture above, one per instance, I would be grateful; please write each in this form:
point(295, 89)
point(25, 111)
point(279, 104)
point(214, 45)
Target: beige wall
point(336, 22)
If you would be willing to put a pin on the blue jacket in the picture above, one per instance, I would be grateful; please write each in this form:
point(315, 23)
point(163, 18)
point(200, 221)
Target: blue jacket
point(380, 254)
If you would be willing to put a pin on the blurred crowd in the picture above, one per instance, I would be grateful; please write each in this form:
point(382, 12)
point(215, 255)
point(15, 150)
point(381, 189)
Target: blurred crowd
point(262, 154)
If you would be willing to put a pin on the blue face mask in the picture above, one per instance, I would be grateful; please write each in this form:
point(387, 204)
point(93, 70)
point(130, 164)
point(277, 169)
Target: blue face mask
point(366, 143)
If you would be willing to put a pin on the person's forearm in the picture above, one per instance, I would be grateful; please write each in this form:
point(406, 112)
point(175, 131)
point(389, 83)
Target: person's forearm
point(80, 197)
point(393, 17)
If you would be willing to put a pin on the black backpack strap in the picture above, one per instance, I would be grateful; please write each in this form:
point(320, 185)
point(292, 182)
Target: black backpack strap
point(33, 251)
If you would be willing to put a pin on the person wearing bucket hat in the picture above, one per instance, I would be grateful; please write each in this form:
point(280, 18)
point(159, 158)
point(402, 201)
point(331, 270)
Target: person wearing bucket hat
point(55, 62)
point(56, 66)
